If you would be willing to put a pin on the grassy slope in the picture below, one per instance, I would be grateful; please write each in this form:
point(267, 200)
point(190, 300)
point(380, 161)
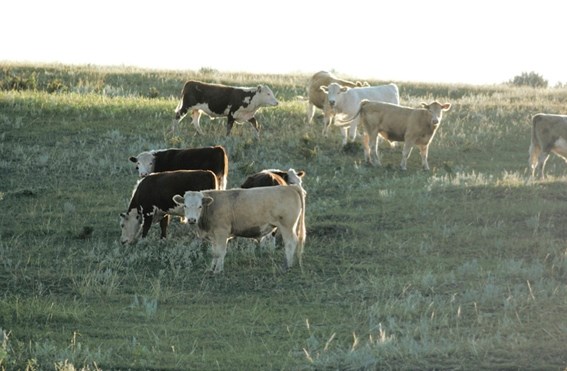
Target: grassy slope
point(462, 267)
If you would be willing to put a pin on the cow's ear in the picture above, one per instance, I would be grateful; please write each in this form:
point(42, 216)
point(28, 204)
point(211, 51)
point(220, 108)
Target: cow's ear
point(178, 200)
point(133, 159)
point(446, 106)
point(343, 89)
point(324, 88)
point(424, 105)
point(207, 201)
point(300, 173)
point(259, 89)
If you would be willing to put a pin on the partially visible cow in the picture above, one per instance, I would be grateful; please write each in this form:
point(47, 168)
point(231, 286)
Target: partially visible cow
point(206, 158)
point(346, 101)
point(273, 177)
point(413, 126)
point(318, 98)
point(250, 213)
point(152, 200)
point(215, 100)
point(549, 134)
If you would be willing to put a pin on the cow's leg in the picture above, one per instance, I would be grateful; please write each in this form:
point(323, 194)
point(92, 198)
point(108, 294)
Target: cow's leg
point(366, 147)
point(218, 248)
point(229, 124)
point(406, 152)
point(310, 112)
point(352, 130)
point(148, 218)
point(344, 132)
point(534, 154)
point(256, 126)
point(371, 149)
point(541, 161)
point(423, 151)
point(290, 240)
point(163, 225)
point(196, 116)
point(327, 121)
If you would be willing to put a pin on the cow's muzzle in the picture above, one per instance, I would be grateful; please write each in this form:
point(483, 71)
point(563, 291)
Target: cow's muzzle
point(191, 220)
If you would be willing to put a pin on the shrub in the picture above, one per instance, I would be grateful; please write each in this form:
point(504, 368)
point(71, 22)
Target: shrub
point(529, 79)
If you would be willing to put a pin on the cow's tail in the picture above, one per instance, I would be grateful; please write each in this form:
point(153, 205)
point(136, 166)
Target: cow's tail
point(348, 121)
point(301, 229)
point(535, 148)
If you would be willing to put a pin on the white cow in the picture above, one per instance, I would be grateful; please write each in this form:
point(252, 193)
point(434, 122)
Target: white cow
point(345, 103)
point(249, 213)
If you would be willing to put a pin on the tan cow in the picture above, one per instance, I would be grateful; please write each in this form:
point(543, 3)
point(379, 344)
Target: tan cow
point(318, 98)
point(549, 134)
point(413, 126)
point(249, 213)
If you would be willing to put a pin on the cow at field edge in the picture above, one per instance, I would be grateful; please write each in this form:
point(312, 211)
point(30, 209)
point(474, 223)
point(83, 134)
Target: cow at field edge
point(249, 213)
point(413, 126)
point(273, 177)
point(318, 98)
point(215, 100)
point(152, 200)
point(205, 158)
point(549, 134)
point(346, 101)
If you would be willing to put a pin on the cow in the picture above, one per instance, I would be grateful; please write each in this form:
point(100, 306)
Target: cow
point(249, 213)
point(273, 177)
point(549, 134)
point(152, 200)
point(413, 126)
point(215, 100)
point(205, 158)
point(346, 101)
point(317, 98)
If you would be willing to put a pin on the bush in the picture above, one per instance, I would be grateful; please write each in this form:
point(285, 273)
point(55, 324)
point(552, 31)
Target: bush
point(529, 79)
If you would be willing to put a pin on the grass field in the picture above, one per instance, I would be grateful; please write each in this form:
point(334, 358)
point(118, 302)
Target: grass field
point(462, 267)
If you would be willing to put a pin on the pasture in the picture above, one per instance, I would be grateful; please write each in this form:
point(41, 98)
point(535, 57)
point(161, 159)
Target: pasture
point(462, 267)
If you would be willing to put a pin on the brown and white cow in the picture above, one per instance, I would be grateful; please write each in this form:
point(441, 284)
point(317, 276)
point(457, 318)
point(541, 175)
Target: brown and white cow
point(549, 134)
point(205, 158)
point(249, 213)
point(413, 126)
point(317, 98)
point(152, 200)
point(236, 103)
point(273, 177)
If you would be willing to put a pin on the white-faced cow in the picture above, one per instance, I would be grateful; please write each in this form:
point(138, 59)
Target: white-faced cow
point(152, 200)
point(549, 134)
point(215, 100)
point(250, 213)
point(346, 101)
point(413, 126)
point(273, 177)
point(318, 98)
point(206, 158)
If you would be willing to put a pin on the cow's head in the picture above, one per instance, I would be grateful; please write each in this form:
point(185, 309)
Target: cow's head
point(265, 96)
point(436, 109)
point(193, 203)
point(144, 163)
point(295, 177)
point(131, 225)
point(332, 91)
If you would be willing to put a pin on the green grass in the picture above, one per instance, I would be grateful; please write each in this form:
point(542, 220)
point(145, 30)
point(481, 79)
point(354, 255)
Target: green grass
point(462, 267)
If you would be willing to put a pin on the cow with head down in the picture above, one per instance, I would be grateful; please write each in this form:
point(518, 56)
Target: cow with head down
point(238, 104)
point(273, 177)
point(249, 213)
point(549, 134)
point(413, 126)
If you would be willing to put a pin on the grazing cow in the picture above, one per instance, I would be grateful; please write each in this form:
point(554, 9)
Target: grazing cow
point(317, 97)
point(549, 134)
point(237, 104)
point(413, 126)
point(346, 101)
point(152, 200)
point(273, 177)
point(250, 213)
point(206, 158)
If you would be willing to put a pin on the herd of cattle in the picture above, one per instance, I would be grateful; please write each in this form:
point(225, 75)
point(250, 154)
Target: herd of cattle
point(191, 183)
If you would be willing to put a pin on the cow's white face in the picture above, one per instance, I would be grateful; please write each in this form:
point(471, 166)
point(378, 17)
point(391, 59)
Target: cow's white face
point(131, 225)
point(436, 109)
point(295, 177)
point(333, 91)
point(192, 203)
point(144, 163)
point(265, 97)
